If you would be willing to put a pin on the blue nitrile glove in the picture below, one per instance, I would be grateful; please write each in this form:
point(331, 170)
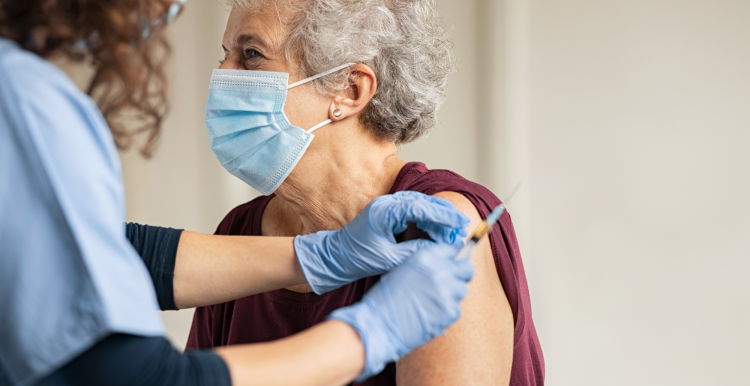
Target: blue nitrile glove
point(409, 306)
point(367, 246)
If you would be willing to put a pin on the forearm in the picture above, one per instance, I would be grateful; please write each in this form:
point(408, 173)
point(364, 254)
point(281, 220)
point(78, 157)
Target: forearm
point(127, 360)
point(329, 353)
point(213, 269)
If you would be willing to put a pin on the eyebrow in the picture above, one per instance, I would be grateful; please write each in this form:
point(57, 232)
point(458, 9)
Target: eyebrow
point(250, 38)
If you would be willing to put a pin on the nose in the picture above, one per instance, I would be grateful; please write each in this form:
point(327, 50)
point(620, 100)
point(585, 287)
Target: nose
point(233, 60)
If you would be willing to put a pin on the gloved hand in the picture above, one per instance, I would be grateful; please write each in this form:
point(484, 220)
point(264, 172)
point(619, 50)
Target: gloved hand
point(367, 246)
point(409, 306)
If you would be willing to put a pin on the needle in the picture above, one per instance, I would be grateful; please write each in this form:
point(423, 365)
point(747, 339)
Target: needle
point(485, 227)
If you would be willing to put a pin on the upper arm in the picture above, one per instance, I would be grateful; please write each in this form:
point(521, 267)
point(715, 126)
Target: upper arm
point(157, 247)
point(478, 348)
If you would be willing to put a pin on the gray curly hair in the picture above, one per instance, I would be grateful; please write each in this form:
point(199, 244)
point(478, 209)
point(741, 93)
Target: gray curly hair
point(403, 41)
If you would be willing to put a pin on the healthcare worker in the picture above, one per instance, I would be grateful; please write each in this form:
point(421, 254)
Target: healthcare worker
point(78, 287)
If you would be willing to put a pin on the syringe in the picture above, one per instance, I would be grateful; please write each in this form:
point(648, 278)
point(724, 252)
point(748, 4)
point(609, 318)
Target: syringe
point(484, 228)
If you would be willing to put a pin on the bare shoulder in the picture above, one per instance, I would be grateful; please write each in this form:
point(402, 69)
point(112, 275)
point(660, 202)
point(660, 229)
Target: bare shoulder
point(464, 205)
point(478, 349)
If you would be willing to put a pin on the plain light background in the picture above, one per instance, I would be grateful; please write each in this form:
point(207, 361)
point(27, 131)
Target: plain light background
point(628, 123)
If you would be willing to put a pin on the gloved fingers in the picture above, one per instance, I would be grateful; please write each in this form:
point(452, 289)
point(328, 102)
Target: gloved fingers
point(440, 256)
point(460, 292)
point(454, 312)
point(452, 278)
point(454, 236)
point(407, 195)
point(450, 304)
point(412, 247)
point(426, 211)
point(464, 270)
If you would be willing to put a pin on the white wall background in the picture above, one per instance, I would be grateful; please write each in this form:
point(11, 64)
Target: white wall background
point(640, 178)
point(629, 123)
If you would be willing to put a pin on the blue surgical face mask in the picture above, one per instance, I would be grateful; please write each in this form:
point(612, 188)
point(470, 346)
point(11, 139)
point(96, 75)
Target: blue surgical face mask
point(248, 130)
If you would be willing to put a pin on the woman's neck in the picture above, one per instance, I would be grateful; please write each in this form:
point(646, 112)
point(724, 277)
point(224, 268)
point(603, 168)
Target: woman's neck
point(337, 179)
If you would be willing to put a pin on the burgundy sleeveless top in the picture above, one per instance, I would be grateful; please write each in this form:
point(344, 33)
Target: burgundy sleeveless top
point(277, 314)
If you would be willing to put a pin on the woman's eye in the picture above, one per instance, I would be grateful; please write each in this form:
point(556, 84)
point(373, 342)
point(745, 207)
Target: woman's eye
point(251, 53)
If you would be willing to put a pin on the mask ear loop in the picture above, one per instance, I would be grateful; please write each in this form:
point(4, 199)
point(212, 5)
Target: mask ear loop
point(303, 81)
point(319, 125)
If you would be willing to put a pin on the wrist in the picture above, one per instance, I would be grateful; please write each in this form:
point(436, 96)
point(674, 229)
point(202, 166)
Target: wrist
point(309, 249)
point(377, 337)
point(349, 343)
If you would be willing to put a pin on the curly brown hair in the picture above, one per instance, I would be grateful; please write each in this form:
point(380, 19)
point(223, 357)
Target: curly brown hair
point(129, 78)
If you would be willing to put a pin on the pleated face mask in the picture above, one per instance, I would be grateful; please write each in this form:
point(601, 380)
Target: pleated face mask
point(248, 130)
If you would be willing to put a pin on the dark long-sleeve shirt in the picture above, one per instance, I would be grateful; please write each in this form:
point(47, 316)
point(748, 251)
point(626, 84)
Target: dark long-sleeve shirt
point(157, 246)
point(125, 360)
point(129, 360)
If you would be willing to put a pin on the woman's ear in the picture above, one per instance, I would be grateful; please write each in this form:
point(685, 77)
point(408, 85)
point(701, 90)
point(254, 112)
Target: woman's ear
point(352, 100)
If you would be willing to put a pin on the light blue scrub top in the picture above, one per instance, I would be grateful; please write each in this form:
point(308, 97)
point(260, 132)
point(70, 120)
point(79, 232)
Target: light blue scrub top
point(68, 275)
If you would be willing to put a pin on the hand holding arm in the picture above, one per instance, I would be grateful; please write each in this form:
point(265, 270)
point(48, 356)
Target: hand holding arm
point(367, 246)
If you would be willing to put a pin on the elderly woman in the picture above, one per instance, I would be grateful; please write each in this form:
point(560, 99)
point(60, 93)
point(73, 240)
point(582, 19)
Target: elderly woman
point(391, 60)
